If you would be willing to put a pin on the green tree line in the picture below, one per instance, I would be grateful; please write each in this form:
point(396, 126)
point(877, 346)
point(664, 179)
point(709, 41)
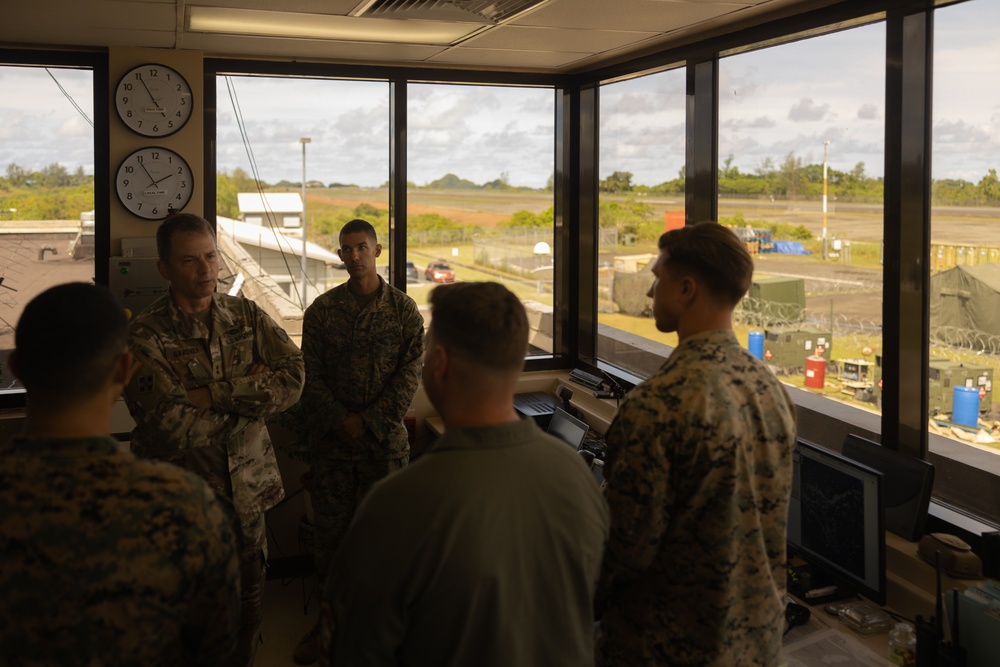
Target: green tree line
point(791, 179)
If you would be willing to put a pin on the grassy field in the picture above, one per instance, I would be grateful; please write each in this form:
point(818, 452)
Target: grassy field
point(328, 208)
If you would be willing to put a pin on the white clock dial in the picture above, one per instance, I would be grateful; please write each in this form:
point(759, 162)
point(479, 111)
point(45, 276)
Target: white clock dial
point(153, 100)
point(154, 182)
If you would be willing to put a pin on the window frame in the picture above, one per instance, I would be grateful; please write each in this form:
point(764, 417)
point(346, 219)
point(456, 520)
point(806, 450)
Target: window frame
point(97, 63)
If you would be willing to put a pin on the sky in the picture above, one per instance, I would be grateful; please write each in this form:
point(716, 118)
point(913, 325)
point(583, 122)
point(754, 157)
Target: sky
point(786, 99)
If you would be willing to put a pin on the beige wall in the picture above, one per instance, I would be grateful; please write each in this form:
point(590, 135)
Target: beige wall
point(188, 142)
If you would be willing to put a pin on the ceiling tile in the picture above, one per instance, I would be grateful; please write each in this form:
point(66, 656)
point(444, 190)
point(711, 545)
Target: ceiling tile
point(555, 39)
point(626, 15)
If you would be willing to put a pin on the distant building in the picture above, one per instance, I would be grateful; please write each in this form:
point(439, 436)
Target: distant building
point(271, 209)
point(270, 252)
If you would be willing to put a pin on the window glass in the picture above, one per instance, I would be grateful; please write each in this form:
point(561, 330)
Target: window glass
point(641, 194)
point(965, 236)
point(480, 171)
point(801, 154)
point(46, 189)
point(274, 133)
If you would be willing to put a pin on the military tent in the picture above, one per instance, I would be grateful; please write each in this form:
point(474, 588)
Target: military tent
point(967, 297)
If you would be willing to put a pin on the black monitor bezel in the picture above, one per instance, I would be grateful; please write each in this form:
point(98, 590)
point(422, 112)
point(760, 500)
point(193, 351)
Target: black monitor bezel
point(560, 414)
point(898, 469)
point(838, 574)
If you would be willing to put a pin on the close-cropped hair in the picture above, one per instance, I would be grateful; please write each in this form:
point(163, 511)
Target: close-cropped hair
point(68, 340)
point(359, 225)
point(713, 255)
point(175, 224)
point(483, 322)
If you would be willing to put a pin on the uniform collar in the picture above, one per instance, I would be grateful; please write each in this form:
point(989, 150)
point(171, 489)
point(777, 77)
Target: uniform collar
point(190, 327)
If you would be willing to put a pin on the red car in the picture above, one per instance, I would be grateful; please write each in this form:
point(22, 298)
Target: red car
point(439, 271)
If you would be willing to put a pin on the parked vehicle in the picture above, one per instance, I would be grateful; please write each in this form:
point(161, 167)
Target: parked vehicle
point(439, 271)
point(411, 272)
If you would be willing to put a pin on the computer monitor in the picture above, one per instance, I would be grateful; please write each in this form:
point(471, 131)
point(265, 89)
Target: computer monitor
point(906, 485)
point(567, 428)
point(836, 524)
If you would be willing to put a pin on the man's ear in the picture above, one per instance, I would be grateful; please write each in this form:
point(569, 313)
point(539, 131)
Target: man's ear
point(378, 249)
point(161, 266)
point(121, 373)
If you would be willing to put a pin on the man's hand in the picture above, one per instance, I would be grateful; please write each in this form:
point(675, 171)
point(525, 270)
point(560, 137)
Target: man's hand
point(201, 397)
point(352, 430)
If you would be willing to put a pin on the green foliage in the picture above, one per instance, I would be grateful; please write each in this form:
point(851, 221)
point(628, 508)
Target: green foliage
point(619, 181)
point(59, 203)
point(630, 216)
point(780, 231)
point(452, 182)
point(528, 219)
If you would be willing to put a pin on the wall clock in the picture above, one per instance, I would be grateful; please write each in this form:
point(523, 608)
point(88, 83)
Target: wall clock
point(153, 182)
point(153, 100)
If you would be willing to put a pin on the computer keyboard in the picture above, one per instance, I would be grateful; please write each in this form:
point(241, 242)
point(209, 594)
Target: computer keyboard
point(586, 379)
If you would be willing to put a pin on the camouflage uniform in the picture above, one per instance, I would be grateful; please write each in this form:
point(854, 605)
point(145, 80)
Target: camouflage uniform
point(107, 559)
point(227, 444)
point(362, 358)
point(699, 475)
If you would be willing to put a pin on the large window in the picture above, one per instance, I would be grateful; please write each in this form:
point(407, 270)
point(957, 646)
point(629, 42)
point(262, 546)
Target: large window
point(299, 156)
point(801, 133)
point(480, 172)
point(965, 233)
point(641, 194)
point(47, 220)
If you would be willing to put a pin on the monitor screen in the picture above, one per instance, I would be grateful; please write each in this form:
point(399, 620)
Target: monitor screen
point(906, 485)
point(835, 519)
point(567, 428)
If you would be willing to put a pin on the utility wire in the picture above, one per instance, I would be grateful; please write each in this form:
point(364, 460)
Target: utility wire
point(69, 97)
point(269, 214)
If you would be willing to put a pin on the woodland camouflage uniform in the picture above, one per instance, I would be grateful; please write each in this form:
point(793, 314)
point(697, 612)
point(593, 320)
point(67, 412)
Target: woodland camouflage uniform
point(108, 559)
point(699, 475)
point(362, 356)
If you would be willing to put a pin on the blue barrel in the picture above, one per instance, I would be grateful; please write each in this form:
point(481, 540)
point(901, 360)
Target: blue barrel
point(755, 343)
point(965, 405)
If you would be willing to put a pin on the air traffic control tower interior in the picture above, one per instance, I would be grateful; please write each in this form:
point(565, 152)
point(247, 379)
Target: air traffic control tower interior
point(649, 118)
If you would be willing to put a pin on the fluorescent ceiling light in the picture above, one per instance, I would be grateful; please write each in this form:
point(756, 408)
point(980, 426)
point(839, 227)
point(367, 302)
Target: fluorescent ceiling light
point(228, 20)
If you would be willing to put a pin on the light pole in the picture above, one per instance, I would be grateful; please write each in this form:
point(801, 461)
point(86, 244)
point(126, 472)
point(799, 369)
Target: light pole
point(825, 145)
point(305, 260)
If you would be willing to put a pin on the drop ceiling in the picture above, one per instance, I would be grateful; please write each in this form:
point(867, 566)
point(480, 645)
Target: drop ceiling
point(553, 36)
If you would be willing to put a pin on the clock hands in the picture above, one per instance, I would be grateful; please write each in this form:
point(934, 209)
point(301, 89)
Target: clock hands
point(151, 181)
point(143, 82)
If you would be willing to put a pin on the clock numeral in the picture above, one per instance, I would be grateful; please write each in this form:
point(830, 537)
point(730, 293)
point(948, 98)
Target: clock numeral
point(138, 76)
point(178, 87)
point(184, 184)
point(178, 197)
point(156, 128)
point(152, 72)
point(127, 86)
point(129, 113)
point(154, 211)
point(129, 169)
point(154, 156)
point(125, 182)
point(129, 195)
point(124, 100)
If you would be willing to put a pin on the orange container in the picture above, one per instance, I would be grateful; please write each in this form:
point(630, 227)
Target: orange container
point(815, 371)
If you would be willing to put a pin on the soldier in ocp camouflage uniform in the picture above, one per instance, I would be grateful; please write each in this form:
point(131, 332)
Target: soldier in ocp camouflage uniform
point(362, 343)
point(699, 474)
point(105, 558)
point(211, 369)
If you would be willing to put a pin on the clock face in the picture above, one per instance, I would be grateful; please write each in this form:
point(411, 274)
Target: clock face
point(154, 182)
point(153, 100)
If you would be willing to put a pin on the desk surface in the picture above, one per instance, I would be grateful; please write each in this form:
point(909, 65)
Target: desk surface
point(824, 640)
